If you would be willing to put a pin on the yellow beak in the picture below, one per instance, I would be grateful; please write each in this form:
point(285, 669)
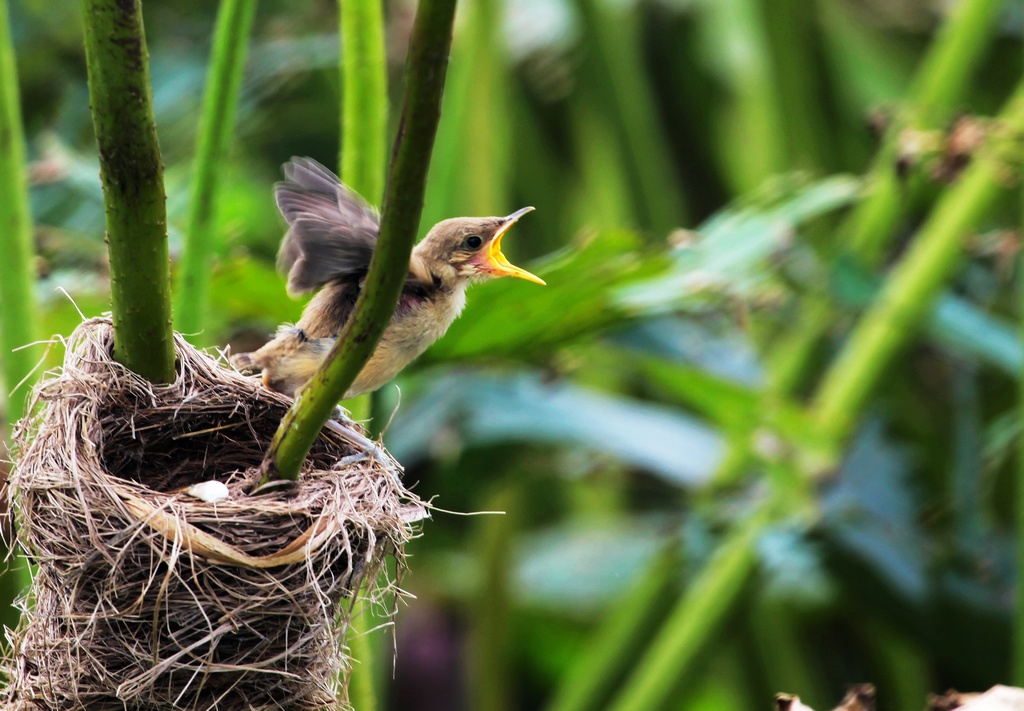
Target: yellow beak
point(497, 263)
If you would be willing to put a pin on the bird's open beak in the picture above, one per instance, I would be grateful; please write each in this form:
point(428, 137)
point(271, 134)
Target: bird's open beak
point(496, 263)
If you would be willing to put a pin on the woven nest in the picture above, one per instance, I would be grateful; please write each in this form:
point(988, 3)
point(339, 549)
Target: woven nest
point(147, 598)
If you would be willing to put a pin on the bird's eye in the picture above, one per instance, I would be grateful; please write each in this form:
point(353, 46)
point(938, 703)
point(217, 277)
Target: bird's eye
point(473, 242)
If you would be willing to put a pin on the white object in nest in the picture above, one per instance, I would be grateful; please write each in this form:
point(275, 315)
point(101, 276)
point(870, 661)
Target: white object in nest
point(212, 492)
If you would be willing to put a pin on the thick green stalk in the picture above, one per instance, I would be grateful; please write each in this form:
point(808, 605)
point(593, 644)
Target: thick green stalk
point(133, 186)
point(223, 84)
point(621, 636)
point(429, 46)
point(18, 319)
point(18, 308)
point(364, 124)
point(913, 285)
point(704, 604)
point(364, 99)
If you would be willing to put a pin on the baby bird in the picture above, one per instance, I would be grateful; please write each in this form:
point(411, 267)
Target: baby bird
point(331, 237)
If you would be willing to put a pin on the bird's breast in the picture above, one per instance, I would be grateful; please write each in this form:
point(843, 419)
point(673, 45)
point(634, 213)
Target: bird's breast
point(418, 322)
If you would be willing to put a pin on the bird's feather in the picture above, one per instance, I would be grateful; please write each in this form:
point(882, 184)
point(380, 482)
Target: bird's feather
point(332, 231)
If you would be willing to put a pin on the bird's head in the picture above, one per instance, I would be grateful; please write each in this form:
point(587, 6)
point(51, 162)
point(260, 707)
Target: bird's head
point(470, 248)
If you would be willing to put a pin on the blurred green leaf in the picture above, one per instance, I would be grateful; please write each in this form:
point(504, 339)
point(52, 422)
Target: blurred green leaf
point(871, 511)
point(731, 252)
point(245, 290)
point(480, 409)
point(960, 325)
point(581, 568)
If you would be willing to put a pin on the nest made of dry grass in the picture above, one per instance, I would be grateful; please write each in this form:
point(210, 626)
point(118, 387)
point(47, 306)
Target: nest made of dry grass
point(147, 598)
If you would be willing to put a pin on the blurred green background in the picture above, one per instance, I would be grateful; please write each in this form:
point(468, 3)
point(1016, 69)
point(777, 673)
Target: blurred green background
point(686, 524)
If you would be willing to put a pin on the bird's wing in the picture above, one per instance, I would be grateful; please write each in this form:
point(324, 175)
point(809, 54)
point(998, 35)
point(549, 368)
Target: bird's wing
point(332, 231)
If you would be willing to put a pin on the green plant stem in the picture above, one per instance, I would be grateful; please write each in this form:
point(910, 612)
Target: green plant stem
point(938, 84)
point(913, 285)
point(364, 111)
point(133, 186)
point(471, 167)
point(1017, 676)
point(775, 634)
point(362, 677)
point(621, 636)
point(617, 64)
point(429, 46)
point(364, 100)
point(902, 667)
point(790, 27)
point(700, 610)
point(491, 687)
point(951, 60)
point(953, 55)
point(223, 84)
point(18, 309)
point(754, 108)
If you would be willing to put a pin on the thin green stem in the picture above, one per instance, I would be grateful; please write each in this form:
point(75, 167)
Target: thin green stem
point(224, 81)
point(364, 111)
point(18, 309)
point(133, 186)
point(1018, 636)
point(774, 629)
point(617, 63)
point(913, 285)
point(872, 223)
point(429, 46)
point(362, 690)
point(790, 30)
point(700, 610)
point(951, 60)
point(754, 109)
point(491, 687)
point(471, 167)
point(938, 84)
point(902, 666)
point(364, 100)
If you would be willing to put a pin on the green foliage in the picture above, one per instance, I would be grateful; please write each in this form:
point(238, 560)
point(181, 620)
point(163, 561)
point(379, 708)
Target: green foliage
point(719, 231)
point(231, 40)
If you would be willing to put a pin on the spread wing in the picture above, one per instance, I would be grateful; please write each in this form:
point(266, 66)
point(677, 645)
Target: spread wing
point(332, 231)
